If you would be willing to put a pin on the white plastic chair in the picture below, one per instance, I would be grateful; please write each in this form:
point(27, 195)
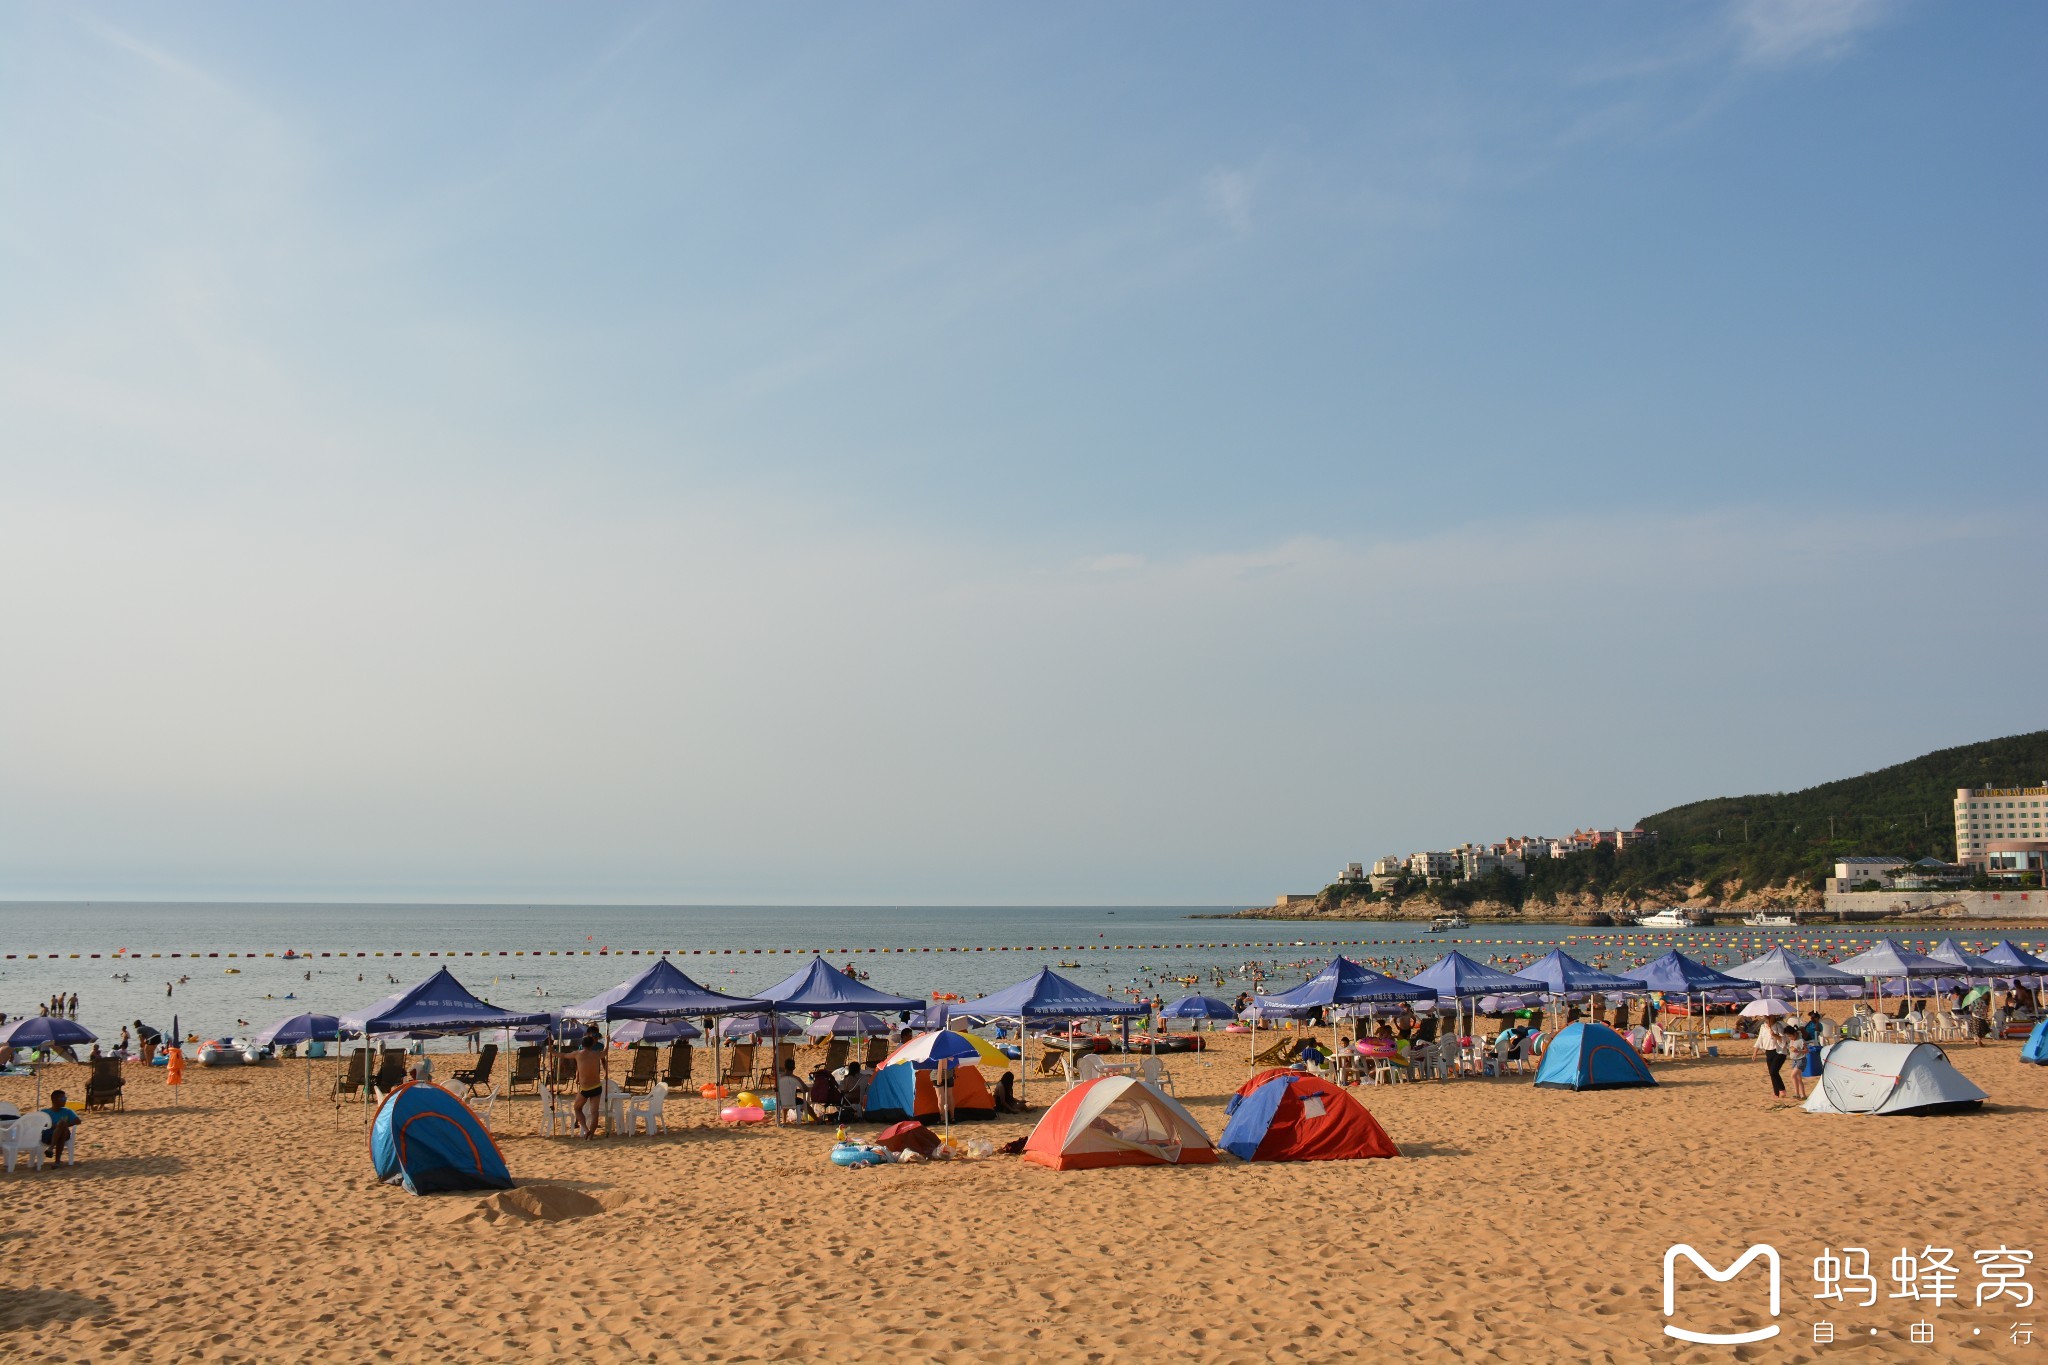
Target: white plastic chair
point(645, 1111)
point(23, 1138)
point(1089, 1067)
point(1157, 1075)
point(1527, 1056)
point(490, 1104)
point(551, 1113)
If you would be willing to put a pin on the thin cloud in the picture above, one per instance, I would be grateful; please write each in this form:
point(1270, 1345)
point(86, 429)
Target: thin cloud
point(1781, 32)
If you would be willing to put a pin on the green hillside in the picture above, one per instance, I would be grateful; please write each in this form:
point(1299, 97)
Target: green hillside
point(1738, 842)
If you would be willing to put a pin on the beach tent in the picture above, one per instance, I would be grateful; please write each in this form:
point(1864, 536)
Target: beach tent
point(438, 1005)
point(1564, 975)
point(1340, 982)
point(429, 1141)
point(1455, 976)
point(1676, 974)
point(822, 988)
point(1890, 1078)
point(1283, 1115)
point(905, 1091)
point(662, 991)
point(1590, 1056)
point(2035, 1049)
point(1117, 1121)
point(2015, 960)
point(1783, 967)
point(1043, 995)
point(1886, 958)
point(1952, 952)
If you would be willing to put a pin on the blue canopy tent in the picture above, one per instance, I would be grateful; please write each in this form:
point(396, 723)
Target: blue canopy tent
point(1341, 982)
point(1455, 976)
point(1952, 952)
point(1887, 959)
point(2015, 959)
point(662, 991)
point(1676, 974)
point(1045, 994)
point(1590, 1056)
point(1564, 975)
point(438, 1005)
point(821, 988)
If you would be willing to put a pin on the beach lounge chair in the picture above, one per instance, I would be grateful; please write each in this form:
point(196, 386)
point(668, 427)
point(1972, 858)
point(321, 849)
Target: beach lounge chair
point(390, 1072)
point(1278, 1054)
point(679, 1062)
point(24, 1138)
point(836, 1053)
point(525, 1069)
point(646, 1066)
point(479, 1076)
point(878, 1049)
point(350, 1081)
point(739, 1065)
point(1051, 1060)
point(644, 1114)
point(103, 1087)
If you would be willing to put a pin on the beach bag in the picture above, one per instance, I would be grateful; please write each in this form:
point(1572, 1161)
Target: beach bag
point(909, 1135)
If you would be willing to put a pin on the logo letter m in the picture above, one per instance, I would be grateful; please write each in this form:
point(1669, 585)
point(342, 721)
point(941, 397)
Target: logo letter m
point(1767, 1252)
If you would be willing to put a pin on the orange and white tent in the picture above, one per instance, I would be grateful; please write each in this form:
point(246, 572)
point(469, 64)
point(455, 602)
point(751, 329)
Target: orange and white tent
point(1117, 1121)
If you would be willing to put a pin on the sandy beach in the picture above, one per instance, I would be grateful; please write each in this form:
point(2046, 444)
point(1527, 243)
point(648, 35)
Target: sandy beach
point(232, 1219)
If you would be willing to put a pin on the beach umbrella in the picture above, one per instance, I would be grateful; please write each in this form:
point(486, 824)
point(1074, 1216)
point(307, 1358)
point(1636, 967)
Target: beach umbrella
point(758, 1025)
point(1766, 1008)
point(301, 1028)
point(846, 1025)
point(655, 1031)
point(947, 1049)
point(1198, 1007)
point(41, 1032)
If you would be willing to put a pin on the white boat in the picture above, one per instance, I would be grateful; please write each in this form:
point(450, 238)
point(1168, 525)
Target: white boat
point(1672, 918)
point(1448, 922)
point(1765, 920)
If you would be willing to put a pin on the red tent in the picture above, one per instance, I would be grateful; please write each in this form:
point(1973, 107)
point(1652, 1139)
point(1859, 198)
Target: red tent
point(1283, 1115)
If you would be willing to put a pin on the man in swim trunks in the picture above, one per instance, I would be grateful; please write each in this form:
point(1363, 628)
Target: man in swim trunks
point(589, 1085)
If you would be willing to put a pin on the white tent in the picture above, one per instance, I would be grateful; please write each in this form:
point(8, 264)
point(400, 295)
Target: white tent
point(1117, 1121)
point(1890, 1078)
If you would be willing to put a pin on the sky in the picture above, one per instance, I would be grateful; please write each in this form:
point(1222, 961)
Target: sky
point(1131, 453)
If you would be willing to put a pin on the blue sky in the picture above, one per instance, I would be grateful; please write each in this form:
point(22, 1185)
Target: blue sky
point(1141, 453)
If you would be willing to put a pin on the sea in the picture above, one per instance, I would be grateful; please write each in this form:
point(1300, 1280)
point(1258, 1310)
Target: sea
point(222, 969)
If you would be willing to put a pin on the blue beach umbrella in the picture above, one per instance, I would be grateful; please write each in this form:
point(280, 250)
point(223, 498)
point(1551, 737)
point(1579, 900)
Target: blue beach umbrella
point(1198, 1007)
point(40, 1032)
point(655, 1031)
point(847, 1025)
point(300, 1028)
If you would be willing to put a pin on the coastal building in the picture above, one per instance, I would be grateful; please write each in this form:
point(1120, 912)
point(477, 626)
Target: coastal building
point(1851, 873)
point(1436, 866)
point(1353, 872)
point(1998, 814)
point(1389, 866)
point(1929, 874)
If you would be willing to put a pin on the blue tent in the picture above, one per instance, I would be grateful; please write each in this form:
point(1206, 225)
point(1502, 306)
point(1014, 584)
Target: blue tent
point(429, 1141)
point(822, 988)
point(1783, 967)
point(1676, 974)
point(440, 1004)
point(2035, 1049)
point(2015, 959)
point(1566, 975)
point(1344, 982)
point(1886, 958)
point(1948, 950)
point(1589, 1056)
point(660, 992)
point(1455, 975)
point(1047, 994)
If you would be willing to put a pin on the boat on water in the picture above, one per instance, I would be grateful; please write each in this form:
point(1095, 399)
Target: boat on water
point(1672, 917)
point(1764, 919)
point(1448, 923)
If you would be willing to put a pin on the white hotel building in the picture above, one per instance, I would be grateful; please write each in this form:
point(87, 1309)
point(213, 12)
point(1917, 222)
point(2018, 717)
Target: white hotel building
point(2002, 829)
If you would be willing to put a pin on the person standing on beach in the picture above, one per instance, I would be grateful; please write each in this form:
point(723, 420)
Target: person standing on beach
point(1772, 1046)
point(589, 1084)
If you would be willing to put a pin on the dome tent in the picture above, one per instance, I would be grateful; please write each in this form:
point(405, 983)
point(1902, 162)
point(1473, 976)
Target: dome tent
point(1589, 1056)
point(429, 1141)
point(1890, 1078)
point(1285, 1115)
point(1117, 1121)
point(2036, 1047)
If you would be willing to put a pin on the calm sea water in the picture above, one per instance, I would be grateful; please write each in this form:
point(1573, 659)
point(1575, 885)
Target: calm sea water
point(550, 956)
